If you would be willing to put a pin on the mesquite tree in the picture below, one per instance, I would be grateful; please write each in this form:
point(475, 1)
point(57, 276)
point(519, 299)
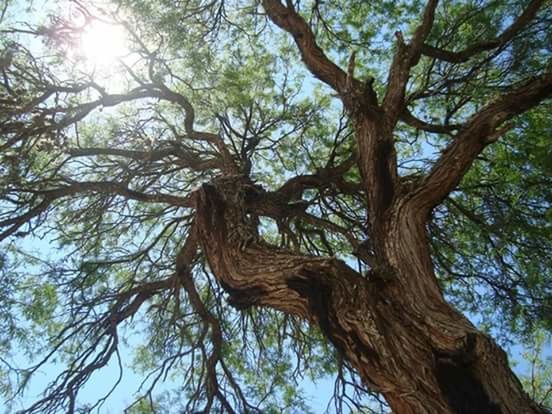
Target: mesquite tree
point(256, 191)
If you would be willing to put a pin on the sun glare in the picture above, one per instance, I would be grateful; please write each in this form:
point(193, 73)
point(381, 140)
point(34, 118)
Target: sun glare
point(102, 44)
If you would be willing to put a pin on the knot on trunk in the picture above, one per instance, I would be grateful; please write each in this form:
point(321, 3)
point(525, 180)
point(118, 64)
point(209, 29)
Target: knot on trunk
point(462, 374)
point(223, 205)
point(243, 298)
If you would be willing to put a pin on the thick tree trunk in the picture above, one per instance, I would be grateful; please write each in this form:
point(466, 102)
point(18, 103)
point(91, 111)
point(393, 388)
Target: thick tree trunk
point(397, 331)
point(394, 325)
point(445, 364)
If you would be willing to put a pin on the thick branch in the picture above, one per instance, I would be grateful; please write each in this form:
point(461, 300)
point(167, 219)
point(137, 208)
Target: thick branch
point(294, 187)
point(479, 131)
point(464, 55)
point(349, 309)
point(312, 288)
point(313, 56)
point(253, 274)
point(406, 56)
point(417, 123)
point(422, 32)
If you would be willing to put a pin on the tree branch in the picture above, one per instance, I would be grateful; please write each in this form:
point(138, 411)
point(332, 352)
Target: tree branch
point(476, 134)
point(104, 187)
point(508, 34)
point(313, 56)
point(406, 56)
point(188, 160)
point(114, 188)
point(63, 391)
point(417, 123)
point(309, 287)
point(294, 187)
point(184, 262)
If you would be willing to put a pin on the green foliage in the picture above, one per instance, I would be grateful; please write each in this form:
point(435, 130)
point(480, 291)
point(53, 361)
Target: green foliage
point(494, 233)
point(537, 376)
point(43, 300)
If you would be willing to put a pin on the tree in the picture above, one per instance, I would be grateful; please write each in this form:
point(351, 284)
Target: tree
point(260, 180)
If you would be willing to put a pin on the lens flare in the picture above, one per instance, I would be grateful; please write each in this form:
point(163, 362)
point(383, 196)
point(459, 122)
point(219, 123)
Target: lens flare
point(102, 44)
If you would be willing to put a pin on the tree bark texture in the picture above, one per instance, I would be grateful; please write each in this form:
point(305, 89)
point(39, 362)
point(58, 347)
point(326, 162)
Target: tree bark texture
point(392, 324)
point(394, 328)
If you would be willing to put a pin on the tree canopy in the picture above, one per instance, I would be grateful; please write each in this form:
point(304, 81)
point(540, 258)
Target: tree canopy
point(178, 200)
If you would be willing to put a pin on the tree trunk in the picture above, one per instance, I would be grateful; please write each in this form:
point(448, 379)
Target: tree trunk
point(405, 341)
point(393, 324)
point(441, 361)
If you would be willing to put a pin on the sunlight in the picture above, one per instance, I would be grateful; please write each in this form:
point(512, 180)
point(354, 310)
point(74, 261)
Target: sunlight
point(102, 44)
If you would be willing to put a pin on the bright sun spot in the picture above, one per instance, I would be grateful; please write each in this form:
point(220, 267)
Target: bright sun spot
point(102, 44)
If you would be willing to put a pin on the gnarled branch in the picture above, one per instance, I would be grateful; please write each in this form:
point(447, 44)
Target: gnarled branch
point(476, 134)
point(313, 56)
point(508, 34)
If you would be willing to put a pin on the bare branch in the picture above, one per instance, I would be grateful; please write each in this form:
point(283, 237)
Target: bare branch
point(313, 56)
point(406, 56)
point(475, 135)
point(417, 123)
point(508, 34)
point(102, 330)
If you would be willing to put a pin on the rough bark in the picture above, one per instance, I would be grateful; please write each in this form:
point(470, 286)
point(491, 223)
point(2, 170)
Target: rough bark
point(393, 324)
point(403, 338)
